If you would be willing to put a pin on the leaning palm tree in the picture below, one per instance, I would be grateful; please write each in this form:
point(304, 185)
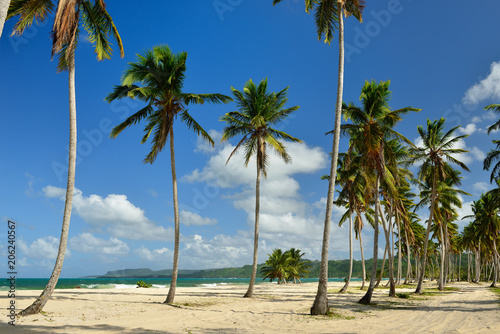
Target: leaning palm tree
point(157, 78)
point(436, 150)
point(4, 7)
point(329, 16)
point(258, 111)
point(70, 15)
point(370, 134)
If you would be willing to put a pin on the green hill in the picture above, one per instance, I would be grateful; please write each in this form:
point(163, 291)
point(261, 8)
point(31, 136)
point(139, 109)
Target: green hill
point(336, 269)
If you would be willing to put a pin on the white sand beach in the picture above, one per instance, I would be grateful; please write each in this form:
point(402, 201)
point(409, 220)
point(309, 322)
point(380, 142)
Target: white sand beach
point(274, 309)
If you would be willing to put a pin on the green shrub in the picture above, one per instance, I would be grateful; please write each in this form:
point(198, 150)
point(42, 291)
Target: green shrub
point(142, 284)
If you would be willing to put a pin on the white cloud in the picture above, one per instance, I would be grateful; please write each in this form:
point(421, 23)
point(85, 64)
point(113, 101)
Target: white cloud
point(481, 187)
point(304, 160)
point(87, 243)
point(465, 210)
point(53, 192)
point(476, 119)
point(189, 218)
point(42, 252)
point(161, 255)
point(468, 130)
point(114, 214)
point(488, 88)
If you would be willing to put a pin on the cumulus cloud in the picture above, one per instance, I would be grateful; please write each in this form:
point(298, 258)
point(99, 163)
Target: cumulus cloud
point(481, 187)
point(114, 214)
point(42, 250)
point(469, 129)
point(161, 255)
point(189, 218)
point(87, 243)
point(488, 88)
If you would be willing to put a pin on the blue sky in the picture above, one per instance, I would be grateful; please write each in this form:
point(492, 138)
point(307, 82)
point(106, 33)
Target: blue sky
point(440, 58)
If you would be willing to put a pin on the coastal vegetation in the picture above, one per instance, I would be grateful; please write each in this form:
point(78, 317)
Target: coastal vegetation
point(374, 179)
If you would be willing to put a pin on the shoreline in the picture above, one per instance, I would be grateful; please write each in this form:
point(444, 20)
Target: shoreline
point(469, 308)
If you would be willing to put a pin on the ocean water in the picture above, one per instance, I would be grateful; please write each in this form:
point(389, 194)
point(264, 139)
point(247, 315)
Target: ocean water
point(130, 283)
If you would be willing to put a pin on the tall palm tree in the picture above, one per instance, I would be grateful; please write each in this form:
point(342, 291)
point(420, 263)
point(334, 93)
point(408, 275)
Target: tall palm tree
point(258, 111)
point(436, 150)
point(329, 16)
point(4, 7)
point(370, 132)
point(493, 155)
point(157, 78)
point(99, 25)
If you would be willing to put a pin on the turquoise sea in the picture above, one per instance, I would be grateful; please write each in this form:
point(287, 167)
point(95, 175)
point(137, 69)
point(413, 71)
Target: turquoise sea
point(129, 283)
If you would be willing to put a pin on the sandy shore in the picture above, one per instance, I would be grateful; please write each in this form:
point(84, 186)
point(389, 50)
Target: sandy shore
point(274, 309)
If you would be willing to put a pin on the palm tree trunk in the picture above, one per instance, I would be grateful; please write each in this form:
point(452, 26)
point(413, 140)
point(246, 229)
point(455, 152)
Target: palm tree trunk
point(468, 266)
point(443, 255)
point(4, 8)
point(478, 265)
point(408, 266)
point(346, 285)
point(40, 302)
point(368, 296)
point(175, 266)
point(320, 305)
point(400, 255)
point(495, 264)
point(362, 262)
point(382, 269)
point(387, 231)
point(426, 240)
point(249, 293)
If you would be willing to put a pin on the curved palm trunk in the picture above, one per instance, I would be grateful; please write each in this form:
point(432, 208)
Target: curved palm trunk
point(40, 302)
point(368, 296)
point(392, 288)
point(349, 275)
point(175, 267)
point(4, 8)
point(320, 305)
point(249, 293)
point(362, 262)
point(426, 241)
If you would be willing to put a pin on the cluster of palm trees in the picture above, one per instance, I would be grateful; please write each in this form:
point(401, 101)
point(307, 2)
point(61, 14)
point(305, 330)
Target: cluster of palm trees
point(287, 265)
point(375, 183)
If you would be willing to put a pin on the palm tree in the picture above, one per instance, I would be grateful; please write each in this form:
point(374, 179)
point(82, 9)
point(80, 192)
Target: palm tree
point(4, 7)
point(157, 78)
point(349, 176)
point(258, 110)
point(278, 266)
point(487, 225)
point(99, 25)
point(299, 267)
point(329, 15)
point(437, 148)
point(370, 134)
point(493, 155)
